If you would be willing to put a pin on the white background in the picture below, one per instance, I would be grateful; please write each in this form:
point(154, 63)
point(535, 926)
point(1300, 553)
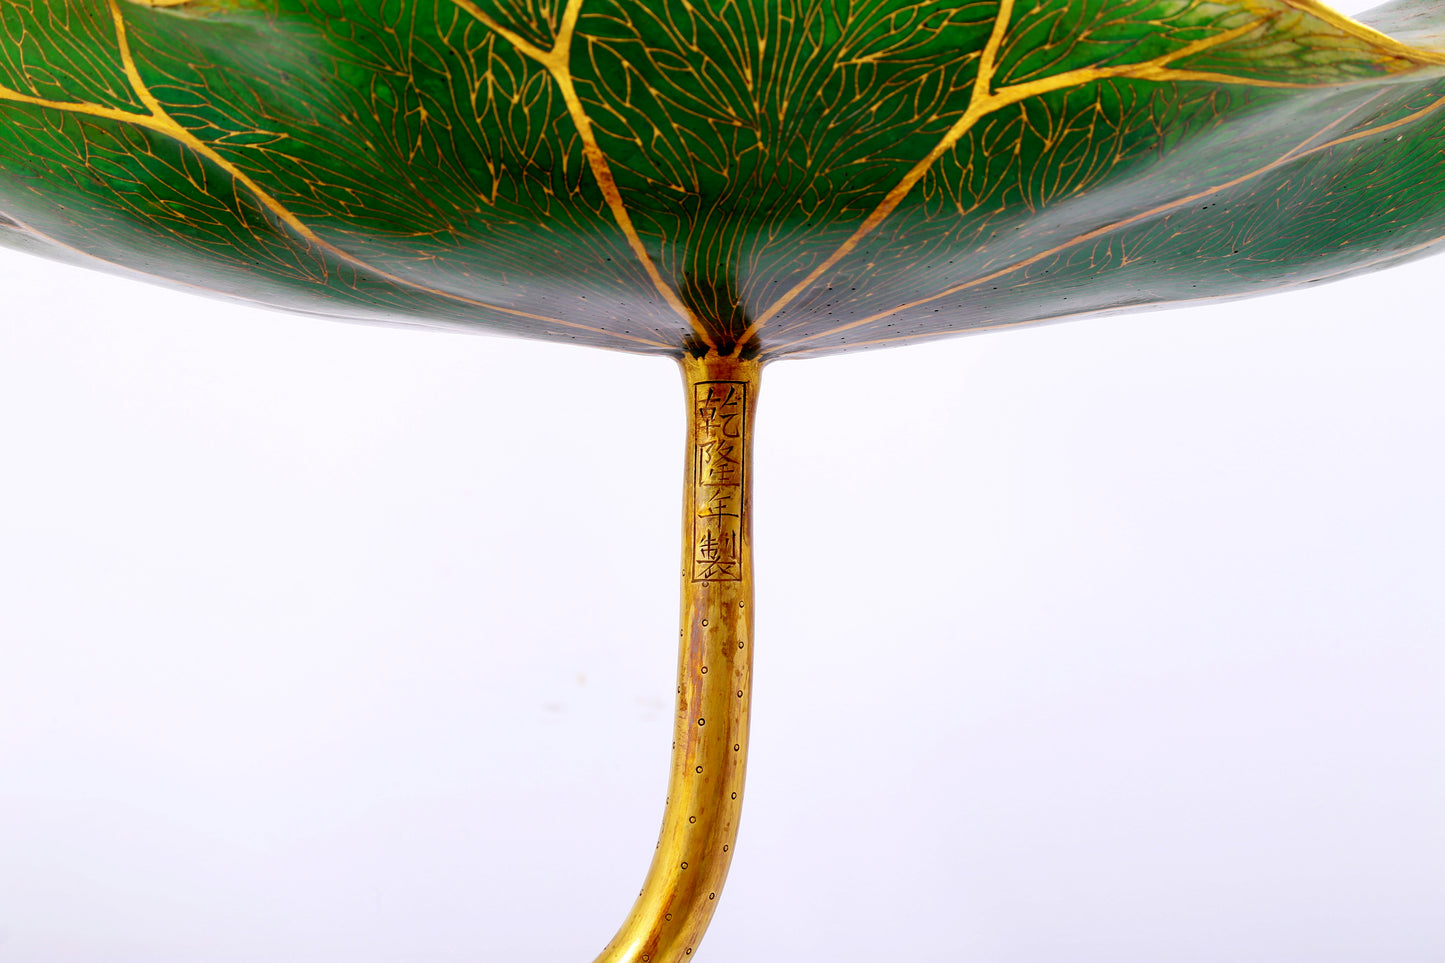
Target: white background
point(1115, 641)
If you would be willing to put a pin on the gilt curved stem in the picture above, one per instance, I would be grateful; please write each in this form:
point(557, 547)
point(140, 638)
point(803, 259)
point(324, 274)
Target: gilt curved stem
point(714, 687)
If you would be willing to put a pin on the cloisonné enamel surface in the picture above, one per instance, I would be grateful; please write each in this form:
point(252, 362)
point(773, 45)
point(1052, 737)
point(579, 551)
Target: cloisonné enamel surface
point(785, 176)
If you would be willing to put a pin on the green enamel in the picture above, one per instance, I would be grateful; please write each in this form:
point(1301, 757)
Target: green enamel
point(438, 177)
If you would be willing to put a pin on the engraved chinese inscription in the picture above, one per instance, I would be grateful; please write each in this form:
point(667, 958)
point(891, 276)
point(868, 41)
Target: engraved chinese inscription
point(719, 413)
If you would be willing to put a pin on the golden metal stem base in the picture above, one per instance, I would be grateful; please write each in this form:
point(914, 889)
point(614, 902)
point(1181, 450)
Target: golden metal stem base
point(714, 686)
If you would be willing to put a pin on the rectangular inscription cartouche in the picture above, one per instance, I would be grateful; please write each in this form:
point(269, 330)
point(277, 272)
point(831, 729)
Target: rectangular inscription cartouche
point(720, 416)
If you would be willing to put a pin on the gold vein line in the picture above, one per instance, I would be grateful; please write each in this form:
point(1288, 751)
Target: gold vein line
point(983, 102)
point(1208, 76)
point(1137, 309)
point(91, 110)
point(977, 107)
point(988, 59)
point(161, 122)
point(1354, 28)
point(1296, 153)
point(291, 221)
point(1147, 70)
point(127, 62)
point(602, 172)
point(522, 44)
point(557, 63)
